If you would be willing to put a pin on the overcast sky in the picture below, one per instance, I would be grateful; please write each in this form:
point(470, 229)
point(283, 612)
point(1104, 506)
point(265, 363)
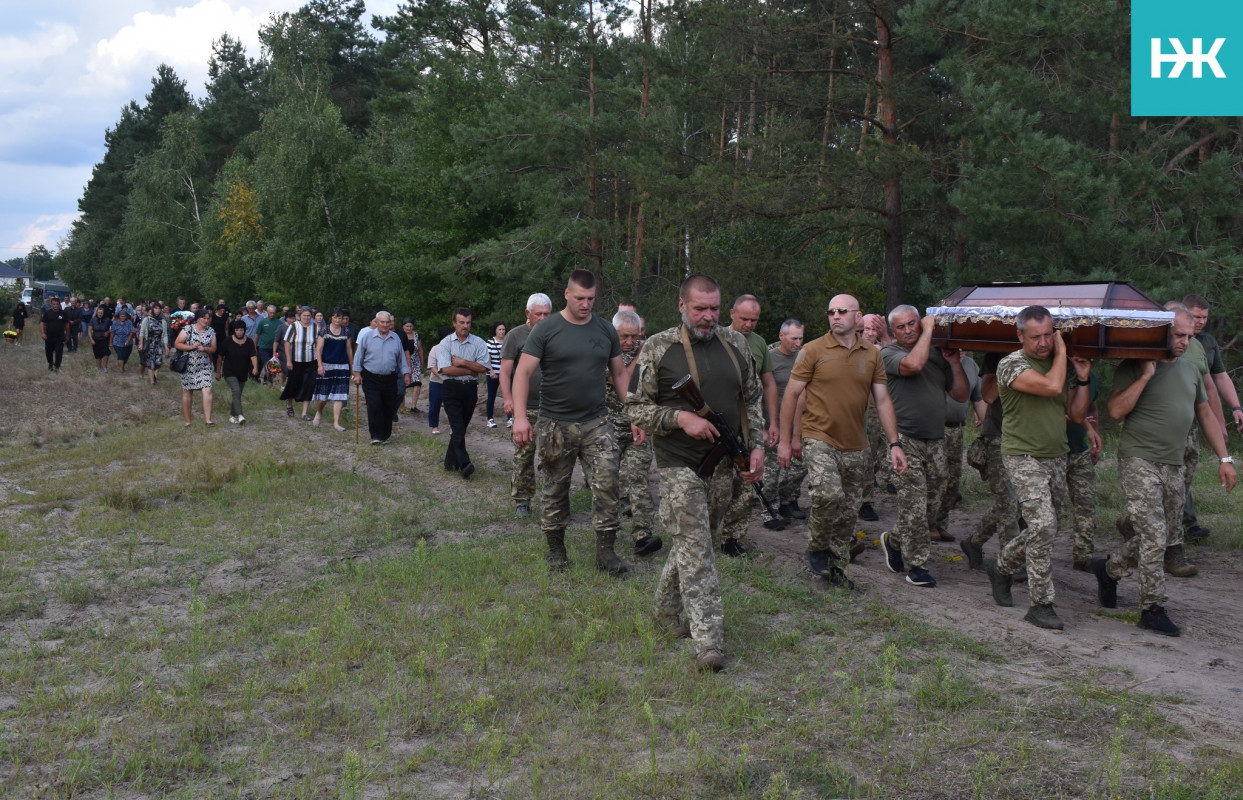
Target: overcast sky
point(67, 67)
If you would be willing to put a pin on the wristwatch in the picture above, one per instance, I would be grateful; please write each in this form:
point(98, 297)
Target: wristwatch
point(1228, 460)
point(894, 444)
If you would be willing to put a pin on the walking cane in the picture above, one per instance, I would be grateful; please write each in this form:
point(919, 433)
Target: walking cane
point(356, 390)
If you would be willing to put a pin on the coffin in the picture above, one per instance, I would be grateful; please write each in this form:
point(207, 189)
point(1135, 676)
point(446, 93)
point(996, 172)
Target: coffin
point(1106, 320)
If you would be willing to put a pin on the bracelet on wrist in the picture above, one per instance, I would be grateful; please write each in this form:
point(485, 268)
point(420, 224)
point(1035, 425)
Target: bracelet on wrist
point(894, 444)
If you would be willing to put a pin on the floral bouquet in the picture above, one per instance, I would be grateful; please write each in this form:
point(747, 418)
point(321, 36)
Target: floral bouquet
point(10, 335)
point(180, 319)
point(274, 366)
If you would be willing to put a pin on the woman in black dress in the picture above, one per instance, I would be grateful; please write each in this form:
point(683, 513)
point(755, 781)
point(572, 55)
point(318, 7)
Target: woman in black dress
point(19, 321)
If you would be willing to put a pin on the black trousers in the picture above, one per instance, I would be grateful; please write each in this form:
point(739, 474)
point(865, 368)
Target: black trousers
point(73, 336)
point(55, 350)
point(458, 399)
point(381, 394)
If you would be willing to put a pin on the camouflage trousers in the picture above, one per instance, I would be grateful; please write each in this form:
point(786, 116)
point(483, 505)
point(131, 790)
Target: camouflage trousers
point(1191, 462)
point(1038, 484)
point(1080, 502)
point(953, 476)
point(1002, 518)
point(919, 496)
point(1154, 507)
point(782, 486)
point(835, 482)
point(879, 466)
point(635, 460)
point(522, 480)
point(590, 443)
point(690, 509)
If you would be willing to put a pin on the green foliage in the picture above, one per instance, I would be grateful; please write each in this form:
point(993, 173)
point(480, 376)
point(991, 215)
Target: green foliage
point(473, 151)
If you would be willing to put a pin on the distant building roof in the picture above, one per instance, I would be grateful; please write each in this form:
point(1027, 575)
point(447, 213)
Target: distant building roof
point(7, 271)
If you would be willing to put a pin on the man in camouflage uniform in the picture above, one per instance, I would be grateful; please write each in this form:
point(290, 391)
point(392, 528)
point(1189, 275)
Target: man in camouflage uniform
point(743, 318)
point(691, 507)
point(1038, 400)
point(1079, 506)
point(522, 481)
point(1002, 517)
point(1158, 401)
point(920, 378)
point(573, 348)
point(1190, 530)
point(957, 416)
point(632, 444)
point(1219, 388)
point(831, 380)
point(782, 485)
point(874, 330)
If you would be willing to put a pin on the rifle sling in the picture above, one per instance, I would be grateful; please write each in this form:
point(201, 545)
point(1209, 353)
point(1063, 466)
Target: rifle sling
point(690, 365)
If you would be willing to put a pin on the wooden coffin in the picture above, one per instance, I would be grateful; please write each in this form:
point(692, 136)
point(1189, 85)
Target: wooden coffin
point(1106, 320)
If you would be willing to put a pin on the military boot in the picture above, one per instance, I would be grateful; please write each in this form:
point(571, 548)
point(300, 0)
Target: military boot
point(1043, 616)
point(557, 557)
point(1176, 563)
point(1001, 584)
point(606, 558)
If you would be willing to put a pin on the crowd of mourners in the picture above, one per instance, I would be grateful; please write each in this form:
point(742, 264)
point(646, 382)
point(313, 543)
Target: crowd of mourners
point(725, 416)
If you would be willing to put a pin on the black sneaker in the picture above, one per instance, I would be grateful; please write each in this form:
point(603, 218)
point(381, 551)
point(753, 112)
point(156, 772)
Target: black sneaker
point(775, 524)
point(818, 562)
point(868, 514)
point(792, 511)
point(837, 578)
point(646, 545)
point(1154, 619)
point(920, 577)
point(974, 553)
point(733, 548)
point(1106, 587)
point(1043, 616)
point(893, 556)
point(1001, 584)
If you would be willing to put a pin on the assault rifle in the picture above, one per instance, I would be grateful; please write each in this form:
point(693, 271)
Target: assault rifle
point(729, 444)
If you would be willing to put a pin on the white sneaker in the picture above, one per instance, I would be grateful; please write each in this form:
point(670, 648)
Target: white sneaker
point(233, 420)
point(241, 420)
point(491, 423)
point(509, 423)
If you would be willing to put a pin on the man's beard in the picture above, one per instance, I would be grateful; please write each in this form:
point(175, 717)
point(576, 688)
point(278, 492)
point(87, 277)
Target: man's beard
point(697, 335)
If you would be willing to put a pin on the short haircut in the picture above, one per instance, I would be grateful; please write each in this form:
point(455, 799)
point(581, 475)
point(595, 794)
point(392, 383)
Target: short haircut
point(746, 298)
point(902, 309)
point(381, 316)
point(538, 299)
point(1031, 314)
point(583, 279)
point(1180, 310)
point(630, 304)
point(625, 318)
point(1196, 301)
point(237, 323)
point(698, 283)
point(792, 322)
point(461, 311)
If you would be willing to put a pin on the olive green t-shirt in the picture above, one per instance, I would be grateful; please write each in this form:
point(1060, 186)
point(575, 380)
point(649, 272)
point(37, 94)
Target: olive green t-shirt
point(782, 364)
point(1156, 429)
point(759, 353)
point(992, 420)
point(918, 400)
point(573, 357)
point(1031, 425)
point(722, 389)
point(1196, 355)
point(511, 349)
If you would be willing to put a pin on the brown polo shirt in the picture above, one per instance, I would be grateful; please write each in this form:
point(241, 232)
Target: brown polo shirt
point(839, 383)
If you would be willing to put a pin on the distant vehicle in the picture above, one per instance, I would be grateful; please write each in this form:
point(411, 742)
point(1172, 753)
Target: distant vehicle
point(27, 295)
point(42, 291)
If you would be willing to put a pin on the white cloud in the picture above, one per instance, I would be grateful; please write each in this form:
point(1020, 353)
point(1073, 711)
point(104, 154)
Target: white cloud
point(28, 52)
point(181, 39)
point(47, 228)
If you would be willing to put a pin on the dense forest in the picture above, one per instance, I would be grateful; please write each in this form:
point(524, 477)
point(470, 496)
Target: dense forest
point(473, 151)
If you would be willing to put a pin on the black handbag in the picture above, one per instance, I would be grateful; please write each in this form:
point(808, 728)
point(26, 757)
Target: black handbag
point(180, 362)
